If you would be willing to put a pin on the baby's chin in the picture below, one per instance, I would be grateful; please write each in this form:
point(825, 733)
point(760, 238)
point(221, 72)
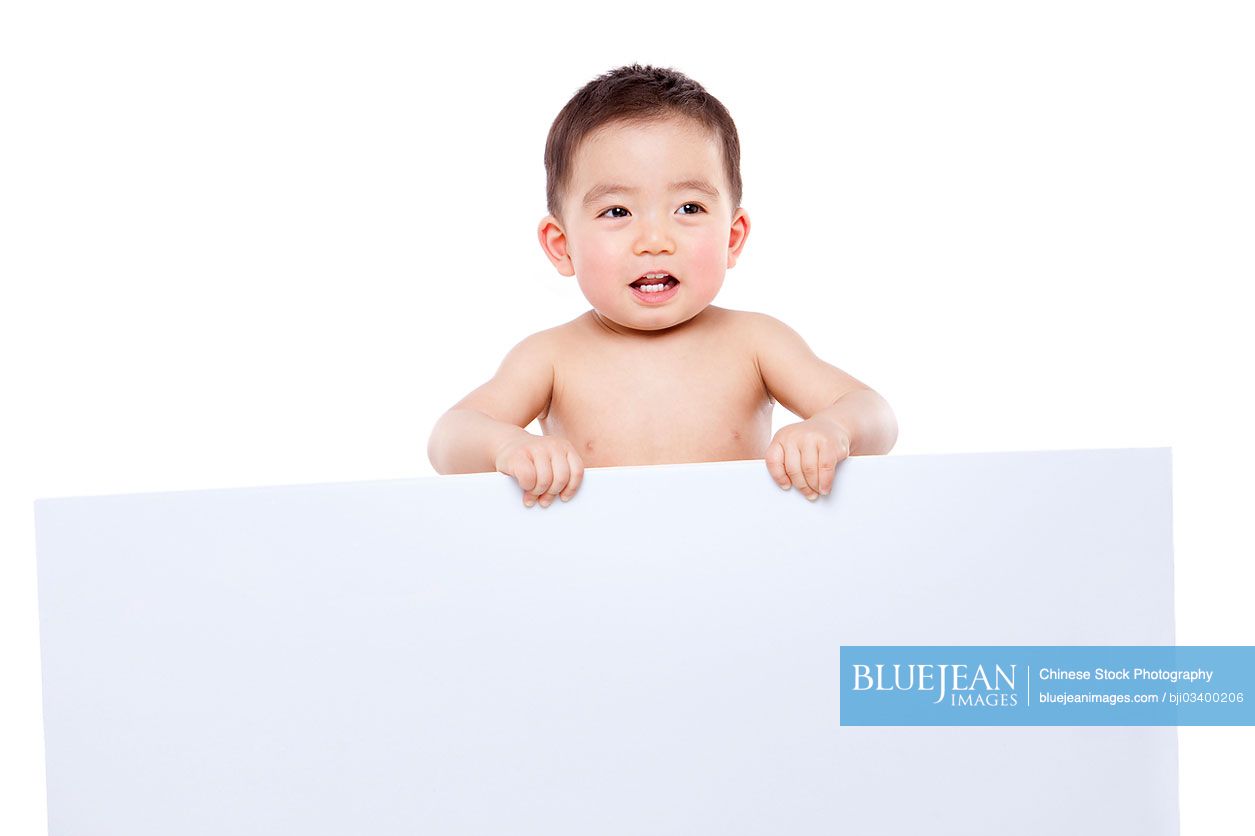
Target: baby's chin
point(651, 323)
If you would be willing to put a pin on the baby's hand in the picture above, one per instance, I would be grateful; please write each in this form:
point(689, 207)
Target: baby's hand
point(805, 456)
point(543, 466)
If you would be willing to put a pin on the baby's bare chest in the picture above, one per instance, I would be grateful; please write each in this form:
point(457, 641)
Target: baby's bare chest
point(660, 407)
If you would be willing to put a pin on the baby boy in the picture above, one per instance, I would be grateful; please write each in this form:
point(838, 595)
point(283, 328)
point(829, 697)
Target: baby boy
point(644, 201)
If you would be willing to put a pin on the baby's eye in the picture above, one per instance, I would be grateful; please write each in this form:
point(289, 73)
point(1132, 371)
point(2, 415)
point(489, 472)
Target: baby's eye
point(615, 209)
point(695, 206)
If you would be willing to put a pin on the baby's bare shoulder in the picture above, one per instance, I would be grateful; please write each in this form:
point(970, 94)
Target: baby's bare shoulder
point(569, 336)
point(755, 326)
point(553, 341)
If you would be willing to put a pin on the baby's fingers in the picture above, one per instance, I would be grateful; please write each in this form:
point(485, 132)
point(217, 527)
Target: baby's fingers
point(775, 465)
point(810, 468)
point(577, 475)
point(524, 472)
point(560, 469)
point(793, 467)
point(827, 467)
point(544, 477)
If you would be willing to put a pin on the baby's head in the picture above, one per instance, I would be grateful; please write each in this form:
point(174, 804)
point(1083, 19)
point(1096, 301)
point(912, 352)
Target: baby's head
point(644, 178)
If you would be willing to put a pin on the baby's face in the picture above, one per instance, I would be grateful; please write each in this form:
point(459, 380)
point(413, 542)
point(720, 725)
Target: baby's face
point(647, 198)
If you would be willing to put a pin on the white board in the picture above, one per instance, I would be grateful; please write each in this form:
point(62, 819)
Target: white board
point(659, 656)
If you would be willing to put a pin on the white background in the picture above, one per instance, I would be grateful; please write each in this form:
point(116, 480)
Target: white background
point(266, 243)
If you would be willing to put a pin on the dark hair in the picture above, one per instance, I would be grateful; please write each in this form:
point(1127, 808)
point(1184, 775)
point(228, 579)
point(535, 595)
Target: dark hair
point(635, 93)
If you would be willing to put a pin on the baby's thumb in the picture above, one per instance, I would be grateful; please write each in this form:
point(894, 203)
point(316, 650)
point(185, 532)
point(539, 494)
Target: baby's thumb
point(576, 467)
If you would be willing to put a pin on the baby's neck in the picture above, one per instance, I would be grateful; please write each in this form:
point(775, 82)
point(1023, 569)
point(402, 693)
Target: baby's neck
point(622, 330)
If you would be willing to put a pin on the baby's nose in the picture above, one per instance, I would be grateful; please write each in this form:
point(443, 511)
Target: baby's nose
point(654, 237)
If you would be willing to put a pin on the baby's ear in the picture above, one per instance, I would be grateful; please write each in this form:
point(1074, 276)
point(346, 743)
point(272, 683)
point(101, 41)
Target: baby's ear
point(737, 234)
point(553, 241)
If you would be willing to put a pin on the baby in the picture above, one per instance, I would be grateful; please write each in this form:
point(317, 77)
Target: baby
point(644, 201)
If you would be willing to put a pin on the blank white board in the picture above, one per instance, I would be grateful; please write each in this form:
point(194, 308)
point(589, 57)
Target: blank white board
point(658, 656)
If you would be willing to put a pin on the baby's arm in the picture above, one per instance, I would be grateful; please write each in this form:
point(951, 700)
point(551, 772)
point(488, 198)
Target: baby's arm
point(484, 431)
point(843, 416)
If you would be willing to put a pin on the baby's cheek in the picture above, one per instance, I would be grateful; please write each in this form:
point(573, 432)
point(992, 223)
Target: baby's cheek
point(711, 257)
point(598, 274)
point(608, 269)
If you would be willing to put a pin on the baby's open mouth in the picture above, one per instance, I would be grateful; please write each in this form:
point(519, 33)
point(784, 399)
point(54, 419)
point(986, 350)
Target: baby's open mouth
point(655, 282)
